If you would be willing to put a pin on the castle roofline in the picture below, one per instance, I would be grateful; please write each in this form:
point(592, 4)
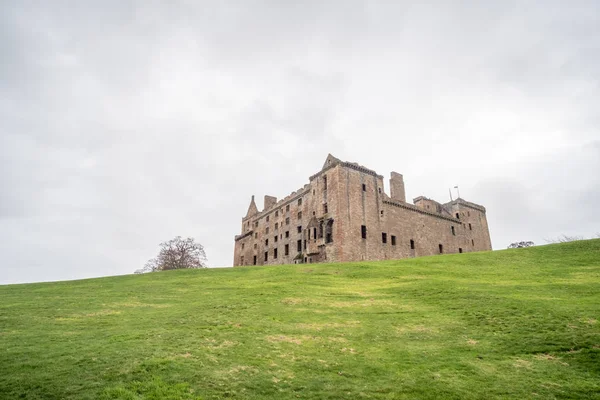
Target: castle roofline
point(465, 203)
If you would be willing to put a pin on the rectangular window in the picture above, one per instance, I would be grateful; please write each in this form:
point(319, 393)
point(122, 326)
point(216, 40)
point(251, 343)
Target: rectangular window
point(460, 249)
point(363, 231)
point(275, 239)
point(300, 229)
point(255, 245)
point(453, 231)
point(242, 260)
point(299, 202)
point(325, 183)
point(274, 253)
point(412, 244)
point(266, 256)
point(393, 240)
point(470, 227)
point(266, 242)
point(243, 245)
point(457, 216)
point(305, 245)
point(299, 246)
point(325, 208)
point(276, 225)
point(276, 214)
point(383, 237)
point(441, 248)
point(287, 221)
point(287, 234)
point(364, 187)
point(287, 208)
point(379, 190)
point(267, 218)
point(472, 242)
point(255, 235)
point(254, 261)
point(314, 233)
point(286, 249)
point(300, 215)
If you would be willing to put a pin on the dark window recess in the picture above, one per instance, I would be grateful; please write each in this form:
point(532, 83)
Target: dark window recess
point(381, 213)
point(286, 249)
point(470, 227)
point(305, 259)
point(266, 255)
point(472, 242)
point(393, 240)
point(469, 213)
point(300, 229)
point(275, 239)
point(308, 232)
point(457, 216)
point(287, 208)
point(314, 233)
point(379, 189)
point(255, 245)
point(287, 234)
point(266, 242)
point(364, 187)
point(324, 183)
point(412, 244)
point(329, 232)
point(274, 253)
point(460, 249)
point(299, 202)
point(299, 246)
point(254, 261)
point(453, 231)
point(363, 231)
point(383, 237)
point(243, 245)
point(441, 248)
point(304, 244)
point(300, 215)
point(276, 213)
point(255, 235)
point(276, 225)
point(267, 218)
point(242, 260)
point(325, 208)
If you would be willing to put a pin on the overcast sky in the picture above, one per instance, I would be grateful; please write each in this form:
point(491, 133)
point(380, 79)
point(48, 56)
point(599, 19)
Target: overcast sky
point(126, 123)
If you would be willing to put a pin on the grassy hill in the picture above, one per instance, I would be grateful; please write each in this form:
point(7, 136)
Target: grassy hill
point(508, 324)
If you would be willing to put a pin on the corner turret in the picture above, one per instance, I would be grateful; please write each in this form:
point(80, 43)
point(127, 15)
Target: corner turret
point(252, 209)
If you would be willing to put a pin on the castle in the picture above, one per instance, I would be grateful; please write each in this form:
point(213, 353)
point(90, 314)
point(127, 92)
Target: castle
point(343, 214)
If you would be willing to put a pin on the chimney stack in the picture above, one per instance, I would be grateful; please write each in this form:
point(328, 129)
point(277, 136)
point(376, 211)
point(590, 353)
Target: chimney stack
point(397, 192)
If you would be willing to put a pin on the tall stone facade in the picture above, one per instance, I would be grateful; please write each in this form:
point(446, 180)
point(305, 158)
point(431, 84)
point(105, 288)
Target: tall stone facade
point(344, 214)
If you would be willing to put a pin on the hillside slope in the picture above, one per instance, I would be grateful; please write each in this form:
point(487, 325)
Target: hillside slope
point(513, 324)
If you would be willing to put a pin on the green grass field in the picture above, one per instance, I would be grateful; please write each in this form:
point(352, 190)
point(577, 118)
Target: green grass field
point(508, 324)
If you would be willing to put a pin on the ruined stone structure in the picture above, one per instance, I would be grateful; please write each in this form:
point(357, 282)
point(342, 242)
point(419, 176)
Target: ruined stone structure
point(344, 214)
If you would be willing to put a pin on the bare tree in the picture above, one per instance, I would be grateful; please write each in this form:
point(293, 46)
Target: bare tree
point(520, 245)
point(177, 253)
point(564, 239)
